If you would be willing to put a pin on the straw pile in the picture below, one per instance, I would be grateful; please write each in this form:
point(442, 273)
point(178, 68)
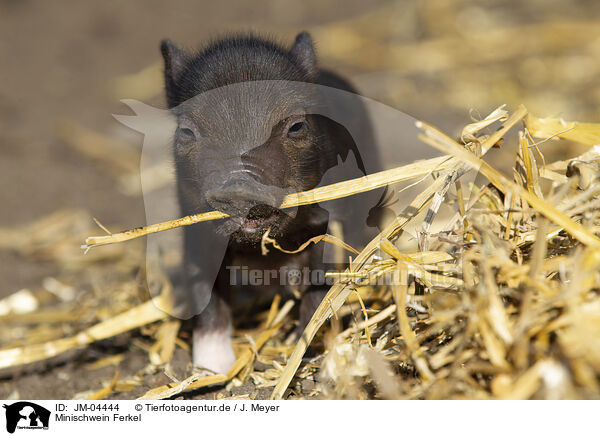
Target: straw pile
point(503, 303)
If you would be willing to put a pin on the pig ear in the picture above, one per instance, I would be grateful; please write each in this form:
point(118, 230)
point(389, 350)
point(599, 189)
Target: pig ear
point(175, 61)
point(304, 52)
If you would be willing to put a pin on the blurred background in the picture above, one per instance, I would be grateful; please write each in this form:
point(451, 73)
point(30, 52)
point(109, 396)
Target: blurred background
point(66, 65)
point(63, 158)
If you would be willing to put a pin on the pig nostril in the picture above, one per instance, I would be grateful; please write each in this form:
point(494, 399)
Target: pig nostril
point(238, 197)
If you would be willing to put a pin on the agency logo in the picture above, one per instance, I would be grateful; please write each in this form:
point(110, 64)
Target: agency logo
point(26, 415)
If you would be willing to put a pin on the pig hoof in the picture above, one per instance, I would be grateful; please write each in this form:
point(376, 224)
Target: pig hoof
point(212, 352)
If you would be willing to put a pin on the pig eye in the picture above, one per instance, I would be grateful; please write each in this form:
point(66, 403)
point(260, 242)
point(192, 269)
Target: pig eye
point(186, 133)
point(186, 138)
point(298, 129)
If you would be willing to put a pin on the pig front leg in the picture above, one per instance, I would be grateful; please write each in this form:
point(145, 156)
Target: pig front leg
point(314, 293)
point(211, 336)
point(211, 339)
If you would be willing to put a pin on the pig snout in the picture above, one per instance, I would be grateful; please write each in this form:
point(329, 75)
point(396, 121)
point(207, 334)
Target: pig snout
point(238, 196)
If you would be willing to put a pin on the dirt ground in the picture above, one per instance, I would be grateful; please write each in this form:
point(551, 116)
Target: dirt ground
point(58, 59)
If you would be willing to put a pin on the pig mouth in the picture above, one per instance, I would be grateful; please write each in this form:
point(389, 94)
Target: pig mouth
point(257, 220)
